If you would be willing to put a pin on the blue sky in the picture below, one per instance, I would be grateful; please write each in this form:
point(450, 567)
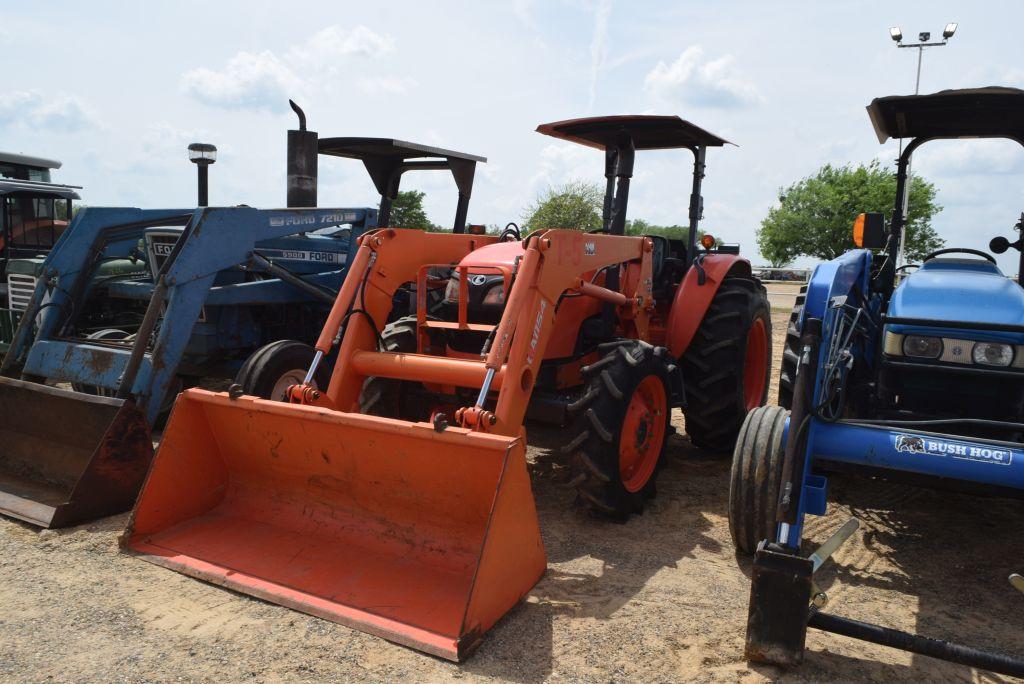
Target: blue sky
point(117, 90)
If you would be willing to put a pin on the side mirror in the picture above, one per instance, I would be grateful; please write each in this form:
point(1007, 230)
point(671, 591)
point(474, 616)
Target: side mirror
point(869, 231)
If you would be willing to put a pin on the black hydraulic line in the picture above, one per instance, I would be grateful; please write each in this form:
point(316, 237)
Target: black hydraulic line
point(794, 461)
point(321, 293)
point(914, 643)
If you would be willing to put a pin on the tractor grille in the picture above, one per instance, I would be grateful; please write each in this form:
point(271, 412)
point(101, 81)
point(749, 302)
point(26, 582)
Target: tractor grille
point(19, 290)
point(159, 246)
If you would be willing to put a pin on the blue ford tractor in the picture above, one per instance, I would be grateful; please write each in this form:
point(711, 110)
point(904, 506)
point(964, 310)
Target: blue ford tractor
point(908, 375)
point(226, 293)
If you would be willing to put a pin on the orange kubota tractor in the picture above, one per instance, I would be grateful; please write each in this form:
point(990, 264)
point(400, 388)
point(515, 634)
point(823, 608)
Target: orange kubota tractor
point(397, 500)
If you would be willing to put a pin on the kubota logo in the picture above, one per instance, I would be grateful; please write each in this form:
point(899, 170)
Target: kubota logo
point(537, 326)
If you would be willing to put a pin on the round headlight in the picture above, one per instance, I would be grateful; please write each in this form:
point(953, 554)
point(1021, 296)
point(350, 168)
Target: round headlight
point(923, 347)
point(495, 296)
point(993, 354)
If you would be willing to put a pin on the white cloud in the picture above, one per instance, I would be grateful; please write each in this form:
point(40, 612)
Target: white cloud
point(561, 162)
point(248, 81)
point(384, 84)
point(970, 157)
point(335, 43)
point(598, 46)
point(695, 79)
point(264, 80)
point(523, 9)
point(57, 112)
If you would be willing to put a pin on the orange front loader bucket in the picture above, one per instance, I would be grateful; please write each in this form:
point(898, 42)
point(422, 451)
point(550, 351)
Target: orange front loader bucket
point(422, 537)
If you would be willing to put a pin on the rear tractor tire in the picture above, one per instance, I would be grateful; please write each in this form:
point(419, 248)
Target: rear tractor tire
point(620, 425)
point(728, 364)
point(274, 367)
point(756, 477)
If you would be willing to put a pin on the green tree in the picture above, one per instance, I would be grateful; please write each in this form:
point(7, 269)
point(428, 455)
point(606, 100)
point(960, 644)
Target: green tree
point(674, 232)
point(576, 205)
point(815, 215)
point(407, 211)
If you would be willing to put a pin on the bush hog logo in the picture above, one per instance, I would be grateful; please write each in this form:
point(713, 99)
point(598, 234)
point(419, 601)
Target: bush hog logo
point(913, 444)
point(910, 444)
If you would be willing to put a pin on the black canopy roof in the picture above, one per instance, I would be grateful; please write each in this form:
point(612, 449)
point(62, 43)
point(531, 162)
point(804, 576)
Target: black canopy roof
point(966, 113)
point(364, 148)
point(649, 132)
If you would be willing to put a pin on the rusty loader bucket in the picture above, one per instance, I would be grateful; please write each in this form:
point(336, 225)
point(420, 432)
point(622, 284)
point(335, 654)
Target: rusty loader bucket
point(66, 457)
point(422, 537)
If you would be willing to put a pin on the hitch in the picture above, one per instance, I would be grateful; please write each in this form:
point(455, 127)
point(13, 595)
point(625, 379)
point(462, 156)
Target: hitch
point(784, 602)
point(781, 590)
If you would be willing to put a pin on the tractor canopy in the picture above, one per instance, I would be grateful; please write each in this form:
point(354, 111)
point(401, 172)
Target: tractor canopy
point(647, 131)
point(386, 159)
point(967, 290)
point(993, 112)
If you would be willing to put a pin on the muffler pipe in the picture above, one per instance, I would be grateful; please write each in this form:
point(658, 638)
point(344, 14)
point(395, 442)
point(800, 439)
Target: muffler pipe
point(303, 152)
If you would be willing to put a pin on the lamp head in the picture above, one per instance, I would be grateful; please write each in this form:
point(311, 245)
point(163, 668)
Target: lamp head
point(202, 153)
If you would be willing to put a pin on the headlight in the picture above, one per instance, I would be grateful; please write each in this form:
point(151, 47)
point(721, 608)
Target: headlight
point(495, 296)
point(992, 354)
point(922, 347)
point(451, 293)
point(893, 344)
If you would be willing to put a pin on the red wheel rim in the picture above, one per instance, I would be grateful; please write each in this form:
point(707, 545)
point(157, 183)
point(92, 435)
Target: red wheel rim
point(755, 364)
point(643, 431)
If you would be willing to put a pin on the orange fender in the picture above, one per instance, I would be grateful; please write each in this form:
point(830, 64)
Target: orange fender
point(692, 300)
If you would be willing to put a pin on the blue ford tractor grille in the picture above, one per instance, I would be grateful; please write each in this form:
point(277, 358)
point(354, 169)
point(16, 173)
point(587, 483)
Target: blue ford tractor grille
point(159, 246)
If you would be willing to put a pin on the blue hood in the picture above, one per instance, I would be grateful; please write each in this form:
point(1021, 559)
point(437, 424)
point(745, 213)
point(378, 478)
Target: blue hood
point(960, 290)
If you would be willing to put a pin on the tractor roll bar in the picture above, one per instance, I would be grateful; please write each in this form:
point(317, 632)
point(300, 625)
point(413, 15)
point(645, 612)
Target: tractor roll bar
point(899, 219)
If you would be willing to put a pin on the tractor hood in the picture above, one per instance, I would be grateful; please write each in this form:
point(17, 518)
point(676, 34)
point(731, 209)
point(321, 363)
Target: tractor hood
point(495, 254)
point(966, 290)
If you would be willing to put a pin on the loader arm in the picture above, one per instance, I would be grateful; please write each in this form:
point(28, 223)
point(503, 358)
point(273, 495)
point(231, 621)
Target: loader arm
point(552, 264)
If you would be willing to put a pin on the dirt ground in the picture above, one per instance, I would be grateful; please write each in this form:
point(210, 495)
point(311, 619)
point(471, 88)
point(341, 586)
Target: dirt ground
point(661, 598)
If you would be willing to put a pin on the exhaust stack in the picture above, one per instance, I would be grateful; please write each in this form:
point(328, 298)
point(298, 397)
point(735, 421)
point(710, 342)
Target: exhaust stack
point(303, 149)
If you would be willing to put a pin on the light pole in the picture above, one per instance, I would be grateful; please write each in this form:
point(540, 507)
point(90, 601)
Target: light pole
point(202, 155)
point(922, 42)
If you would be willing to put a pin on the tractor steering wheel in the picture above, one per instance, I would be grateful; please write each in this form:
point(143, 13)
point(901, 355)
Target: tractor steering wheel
point(964, 250)
point(906, 266)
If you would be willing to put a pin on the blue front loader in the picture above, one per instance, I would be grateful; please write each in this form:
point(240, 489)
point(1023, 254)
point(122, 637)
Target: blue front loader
point(202, 303)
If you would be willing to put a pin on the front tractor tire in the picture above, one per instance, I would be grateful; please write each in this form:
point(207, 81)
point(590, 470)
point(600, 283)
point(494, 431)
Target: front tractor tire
point(274, 367)
point(390, 398)
point(728, 364)
point(620, 425)
point(756, 477)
